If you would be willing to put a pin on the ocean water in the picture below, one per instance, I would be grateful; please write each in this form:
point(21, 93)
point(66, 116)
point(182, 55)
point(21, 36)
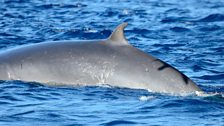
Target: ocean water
point(189, 35)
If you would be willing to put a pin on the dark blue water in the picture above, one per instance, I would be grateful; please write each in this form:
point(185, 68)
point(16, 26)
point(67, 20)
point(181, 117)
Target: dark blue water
point(189, 35)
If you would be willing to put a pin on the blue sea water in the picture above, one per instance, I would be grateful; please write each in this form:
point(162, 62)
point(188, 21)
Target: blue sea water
point(189, 35)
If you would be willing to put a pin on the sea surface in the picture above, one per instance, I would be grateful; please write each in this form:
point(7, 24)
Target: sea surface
point(188, 34)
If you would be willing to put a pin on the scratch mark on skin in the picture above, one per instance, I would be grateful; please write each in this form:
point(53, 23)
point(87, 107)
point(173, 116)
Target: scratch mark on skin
point(165, 65)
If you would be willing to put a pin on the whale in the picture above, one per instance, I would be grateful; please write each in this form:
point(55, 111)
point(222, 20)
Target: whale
point(112, 61)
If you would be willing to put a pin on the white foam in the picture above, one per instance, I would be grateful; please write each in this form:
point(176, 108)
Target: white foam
point(206, 94)
point(146, 98)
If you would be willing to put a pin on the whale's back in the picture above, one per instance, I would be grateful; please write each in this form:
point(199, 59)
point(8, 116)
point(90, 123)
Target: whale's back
point(112, 61)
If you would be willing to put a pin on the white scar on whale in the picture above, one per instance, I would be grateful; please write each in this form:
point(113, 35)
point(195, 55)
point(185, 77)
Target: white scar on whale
point(112, 61)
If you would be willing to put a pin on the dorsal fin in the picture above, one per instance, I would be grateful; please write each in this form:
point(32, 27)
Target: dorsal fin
point(117, 37)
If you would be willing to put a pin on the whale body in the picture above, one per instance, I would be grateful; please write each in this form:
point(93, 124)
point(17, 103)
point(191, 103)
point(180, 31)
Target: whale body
point(111, 61)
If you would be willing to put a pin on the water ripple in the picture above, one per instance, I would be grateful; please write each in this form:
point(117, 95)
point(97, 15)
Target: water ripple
point(119, 122)
point(212, 18)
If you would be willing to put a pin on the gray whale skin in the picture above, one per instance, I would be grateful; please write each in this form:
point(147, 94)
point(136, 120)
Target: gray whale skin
point(112, 61)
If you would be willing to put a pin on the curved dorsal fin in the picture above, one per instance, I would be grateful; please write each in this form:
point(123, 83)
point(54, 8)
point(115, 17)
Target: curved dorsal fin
point(117, 37)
